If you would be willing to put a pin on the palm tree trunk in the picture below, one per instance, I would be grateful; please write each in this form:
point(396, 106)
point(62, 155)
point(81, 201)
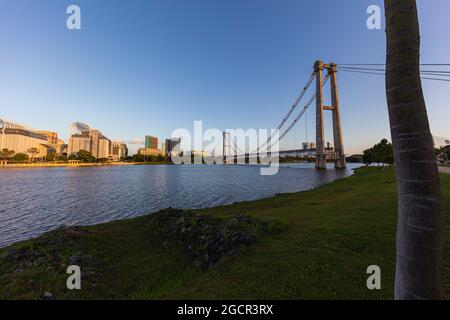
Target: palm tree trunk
point(419, 227)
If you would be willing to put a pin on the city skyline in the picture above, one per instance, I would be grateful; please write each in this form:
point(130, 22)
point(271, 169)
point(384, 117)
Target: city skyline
point(132, 78)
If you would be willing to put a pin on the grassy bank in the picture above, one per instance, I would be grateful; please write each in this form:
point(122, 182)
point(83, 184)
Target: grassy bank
point(331, 235)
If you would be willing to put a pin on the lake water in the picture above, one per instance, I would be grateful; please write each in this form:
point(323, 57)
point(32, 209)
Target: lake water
point(34, 201)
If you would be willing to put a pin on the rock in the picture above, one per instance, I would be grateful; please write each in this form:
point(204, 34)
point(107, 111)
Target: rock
point(21, 254)
point(203, 238)
point(31, 283)
point(232, 223)
point(72, 233)
point(206, 261)
point(196, 264)
point(47, 296)
point(215, 257)
point(74, 260)
point(56, 258)
point(86, 259)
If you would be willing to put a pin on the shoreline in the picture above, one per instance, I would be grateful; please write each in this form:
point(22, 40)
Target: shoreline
point(67, 165)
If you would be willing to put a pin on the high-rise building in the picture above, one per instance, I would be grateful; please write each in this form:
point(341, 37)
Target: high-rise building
point(119, 150)
point(89, 140)
point(151, 142)
point(173, 146)
point(308, 145)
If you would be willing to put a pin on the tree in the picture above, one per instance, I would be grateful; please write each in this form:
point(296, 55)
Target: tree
point(138, 158)
point(445, 151)
point(21, 157)
point(85, 156)
point(383, 153)
point(51, 157)
point(419, 228)
point(33, 152)
point(72, 157)
point(368, 156)
point(6, 153)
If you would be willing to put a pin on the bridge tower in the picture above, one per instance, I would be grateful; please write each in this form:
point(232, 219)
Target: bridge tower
point(339, 158)
point(226, 146)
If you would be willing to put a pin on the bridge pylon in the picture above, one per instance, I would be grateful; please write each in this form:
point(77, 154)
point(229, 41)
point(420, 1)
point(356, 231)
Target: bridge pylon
point(226, 147)
point(339, 158)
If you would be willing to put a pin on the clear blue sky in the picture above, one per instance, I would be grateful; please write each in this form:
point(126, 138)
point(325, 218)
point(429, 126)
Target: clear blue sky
point(149, 67)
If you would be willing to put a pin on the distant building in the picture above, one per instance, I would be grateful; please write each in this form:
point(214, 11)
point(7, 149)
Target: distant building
point(308, 145)
point(21, 139)
point(151, 142)
point(329, 145)
point(150, 152)
point(119, 150)
point(90, 140)
point(173, 146)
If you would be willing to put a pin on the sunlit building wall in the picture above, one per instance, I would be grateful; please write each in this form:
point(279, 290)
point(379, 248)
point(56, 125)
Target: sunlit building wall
point(52, 137)
point(21, 139)
point(150, 152)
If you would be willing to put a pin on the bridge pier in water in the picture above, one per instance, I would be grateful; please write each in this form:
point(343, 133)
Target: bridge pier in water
point(339, 158)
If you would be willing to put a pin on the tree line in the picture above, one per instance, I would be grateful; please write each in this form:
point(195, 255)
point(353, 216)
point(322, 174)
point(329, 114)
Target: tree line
point(381, 153)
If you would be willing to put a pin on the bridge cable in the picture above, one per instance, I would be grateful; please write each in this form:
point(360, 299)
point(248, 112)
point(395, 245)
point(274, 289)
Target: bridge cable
point(443, 73)
point(383, 64)
point(293, 123)
point(294, 106)
point(381, 72)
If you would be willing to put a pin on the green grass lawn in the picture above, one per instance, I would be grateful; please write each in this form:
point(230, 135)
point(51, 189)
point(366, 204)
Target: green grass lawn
point(331, 235)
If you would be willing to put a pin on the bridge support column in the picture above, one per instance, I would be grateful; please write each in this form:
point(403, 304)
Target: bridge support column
point(320, 143)
point(226, 147)
point(337, 129)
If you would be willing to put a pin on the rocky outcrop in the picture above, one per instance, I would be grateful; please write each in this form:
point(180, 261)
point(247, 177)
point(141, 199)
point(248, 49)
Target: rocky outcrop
point(205, 240)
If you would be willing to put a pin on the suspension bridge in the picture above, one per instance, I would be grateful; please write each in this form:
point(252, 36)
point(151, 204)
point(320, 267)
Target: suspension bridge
point(322, 74)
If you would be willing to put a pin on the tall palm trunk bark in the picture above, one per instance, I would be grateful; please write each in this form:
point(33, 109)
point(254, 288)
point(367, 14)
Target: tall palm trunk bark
point(419, 225)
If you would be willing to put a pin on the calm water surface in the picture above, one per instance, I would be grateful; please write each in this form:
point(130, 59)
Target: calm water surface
point(33, 201)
